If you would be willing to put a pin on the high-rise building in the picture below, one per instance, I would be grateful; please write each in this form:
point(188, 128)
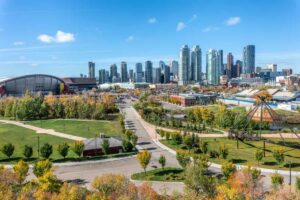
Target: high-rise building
point(220, 62)
point(272, 67)
point(102, 78)
point(113, 72)
point(91, 70)
point(213, 66)
point(124, 73)
point(166, 74)
point(148, 71)
point(258, 69)
point(107, 79)
point(174, 69)
point(196, 64)
point(131, 75)
point(138, 72)
point(157, 75)
point(287, 71)
point(239, 67)
point(249, 59)
point(229, 67)
point(184, 70)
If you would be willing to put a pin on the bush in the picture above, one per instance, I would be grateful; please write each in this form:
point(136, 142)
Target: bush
point(8, 150)
point(27, 151)
point(223, 151)
point(162, 161)
point(214, 154)
point(278, 154)
point(203, 147)
point(63, 149)
point(46, 150)
point(177, 138)
point(228, 168)
point(277, 180)
point(78, 148)
point(41, 167)
point(162, 133)
point(297, 183)
point(183, 158)
point(259, 155)
point(105, 146)
point(167, 134)
point(127, 146)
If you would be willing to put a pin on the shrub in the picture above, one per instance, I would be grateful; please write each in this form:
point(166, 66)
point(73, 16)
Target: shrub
point(46, 150)
point(278, 154)
point(183, 158)
point(203, 147)
point(162, 161)
point(8, 150)
point(41, 167)
point(177, 138)
point(78, 148)
point(297, 183)
point(167, 134)
point(63, 149)
point(105, 146)
point(223, 151)
point(27, 151)
point(228, 168)
point(162, 133)
point(127, 146)
point(214, 154)
point(259, 155)
point(277, 180)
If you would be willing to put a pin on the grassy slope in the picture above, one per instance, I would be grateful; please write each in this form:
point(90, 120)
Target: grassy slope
point(86, 129)
point(245, 154)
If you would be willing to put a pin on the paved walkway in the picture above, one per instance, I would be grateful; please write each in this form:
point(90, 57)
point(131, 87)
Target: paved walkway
point(44, 131)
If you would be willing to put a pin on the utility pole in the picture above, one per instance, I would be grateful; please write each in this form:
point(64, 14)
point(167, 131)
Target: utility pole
point(264, 148)
point(290, 167)
point(38, 150)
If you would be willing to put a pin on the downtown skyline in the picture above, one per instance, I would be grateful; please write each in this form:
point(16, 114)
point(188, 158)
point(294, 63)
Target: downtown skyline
point(57, 45)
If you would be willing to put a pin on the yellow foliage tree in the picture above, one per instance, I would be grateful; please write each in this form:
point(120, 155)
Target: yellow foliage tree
point(144, 159)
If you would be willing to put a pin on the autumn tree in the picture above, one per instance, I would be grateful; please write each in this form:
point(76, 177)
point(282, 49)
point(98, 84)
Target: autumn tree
point(78, 148)
point(41, 167)
point(144, 159)
point(21, 170)
point(48, 182)
point(227, 169)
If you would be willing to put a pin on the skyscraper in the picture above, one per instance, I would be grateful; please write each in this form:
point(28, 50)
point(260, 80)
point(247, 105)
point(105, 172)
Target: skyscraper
point(196, 64)
point(166, 74)
point(102, 76)
point(113, 72)
point(249, 59)
point(124, 73)
point(148, 71)
point(213, 66)
point(138, 72)
point(174, 69)
point(131, 75)
point(229, 67)
point(239, 67)
point(91, 70)
point(184, 70)
point(157, 75)
point(220, 62)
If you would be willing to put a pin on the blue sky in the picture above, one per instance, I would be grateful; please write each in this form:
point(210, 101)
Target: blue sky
point(59, 37)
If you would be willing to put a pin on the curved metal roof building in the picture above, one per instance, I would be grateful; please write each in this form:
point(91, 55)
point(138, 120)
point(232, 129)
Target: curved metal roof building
point(32, 83)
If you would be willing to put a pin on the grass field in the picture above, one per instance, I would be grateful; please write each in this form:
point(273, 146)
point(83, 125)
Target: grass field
point(168, 174)
point(245, 155)
point(87, 129)
point(19, 137)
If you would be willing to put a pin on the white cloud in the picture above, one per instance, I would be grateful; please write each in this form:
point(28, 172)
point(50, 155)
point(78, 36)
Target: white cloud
point(19, 43)
point(194, 17)
point(233, 21)
point(210, 29)
point(152, 20)
point(130, 38)
point(180, 26)
point(60, 37)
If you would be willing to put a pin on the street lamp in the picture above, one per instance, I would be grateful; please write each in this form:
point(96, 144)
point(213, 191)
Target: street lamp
point(38, 150)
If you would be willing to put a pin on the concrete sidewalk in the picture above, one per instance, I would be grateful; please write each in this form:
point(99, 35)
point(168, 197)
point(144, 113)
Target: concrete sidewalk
point(39, 130)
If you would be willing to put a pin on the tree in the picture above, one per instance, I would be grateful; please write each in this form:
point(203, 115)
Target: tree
point(78, 148)
point(41, 167)
point(8, 150)
point(134, 138)
point(277, 180)
point(21, 170)
point(144, 159)
point(203, 146)
point(183, 158)
point(27, 152)
point(46, 150)
point(259, 156)
point(188, 142)
point(48, 182)
point(177, 138)
point(105, 146)
point(63, 149)
point(162, 161)
point(127, 146)
point(278, 154)
point(223, 151)
point(297, 184)
point(227, 169)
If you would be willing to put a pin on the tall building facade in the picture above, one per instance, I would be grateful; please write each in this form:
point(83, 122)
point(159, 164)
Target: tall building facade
point(113, 72)
point(213, 66)
point(157, 75)
point(196, 64)
point(272, 67)
point(174, 69)
point(249, 59)
point(91, 70)
point(131, 75)
point(239, 67)
point(148, 71)
point(124, 72)
point(166, 74)
point(138, 72)
point(221, 62)
point(184, 70)
point(230, 68)
point(102, 75)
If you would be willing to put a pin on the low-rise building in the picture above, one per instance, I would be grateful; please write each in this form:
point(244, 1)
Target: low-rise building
point(93, 146)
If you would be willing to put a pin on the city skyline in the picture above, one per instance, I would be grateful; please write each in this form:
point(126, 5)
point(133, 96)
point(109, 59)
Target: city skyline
point(55, 44)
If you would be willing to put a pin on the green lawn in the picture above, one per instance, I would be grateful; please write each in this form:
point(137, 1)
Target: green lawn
point(87, 129)
point(168, 174)
point(19, 137)
point(245, 154)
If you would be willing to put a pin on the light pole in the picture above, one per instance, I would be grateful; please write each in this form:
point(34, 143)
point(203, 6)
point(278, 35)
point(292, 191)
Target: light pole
point(38, 150)
point(290, 168)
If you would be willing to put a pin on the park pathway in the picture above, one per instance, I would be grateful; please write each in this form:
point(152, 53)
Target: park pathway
point(39, 130)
